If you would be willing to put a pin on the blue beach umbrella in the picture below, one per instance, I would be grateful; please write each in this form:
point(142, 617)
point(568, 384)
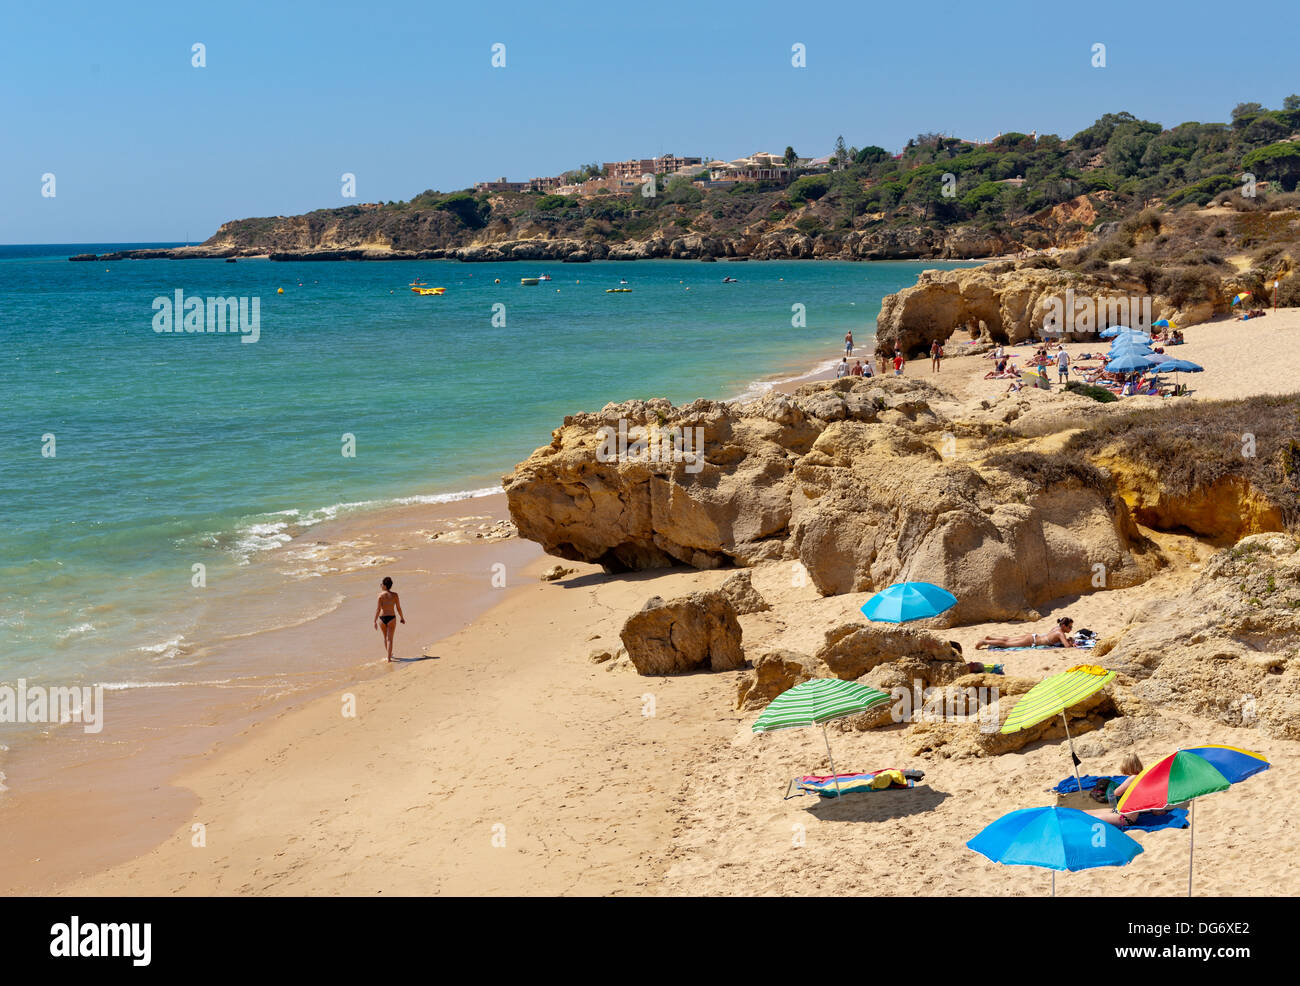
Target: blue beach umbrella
point(1054, 839)
point(1116, 351)
point(1180, 366)
point(1129, 363)
point(908, 601)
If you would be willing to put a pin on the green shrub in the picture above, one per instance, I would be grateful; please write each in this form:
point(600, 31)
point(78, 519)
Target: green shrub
point(809, 188)
point(1099, 394)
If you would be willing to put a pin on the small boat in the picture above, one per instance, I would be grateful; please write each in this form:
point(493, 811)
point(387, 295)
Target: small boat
point(617, 290)
point(729, 280)
point(528, 280)
point(418, 285)
point(426, 291)
point(544, 277)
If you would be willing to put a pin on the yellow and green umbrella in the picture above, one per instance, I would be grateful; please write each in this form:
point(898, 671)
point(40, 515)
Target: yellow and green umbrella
point(815, 703)
point(1185, 776)
point(1052, 696)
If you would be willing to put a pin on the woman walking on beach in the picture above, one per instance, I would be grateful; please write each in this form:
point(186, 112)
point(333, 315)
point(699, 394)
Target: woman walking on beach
point(1059, 636)
point(384, 613)
point(936, 354)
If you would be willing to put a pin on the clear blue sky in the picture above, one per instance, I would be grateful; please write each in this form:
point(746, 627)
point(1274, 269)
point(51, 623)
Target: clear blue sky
point(403, 95)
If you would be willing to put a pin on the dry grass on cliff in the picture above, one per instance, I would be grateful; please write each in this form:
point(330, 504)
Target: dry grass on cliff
point(1192, 445)
point(1044, 470)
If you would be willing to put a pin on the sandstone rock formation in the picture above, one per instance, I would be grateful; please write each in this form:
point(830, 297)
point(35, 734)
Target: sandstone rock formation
point(1003, 302)
point(1229, 647)
point(775, 672)
point(844, 477)
point(686, 634)
point(850, 650)
point(740, 590)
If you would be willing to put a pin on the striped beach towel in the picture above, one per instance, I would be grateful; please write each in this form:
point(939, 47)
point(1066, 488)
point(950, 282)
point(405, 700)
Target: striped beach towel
point(824, 786)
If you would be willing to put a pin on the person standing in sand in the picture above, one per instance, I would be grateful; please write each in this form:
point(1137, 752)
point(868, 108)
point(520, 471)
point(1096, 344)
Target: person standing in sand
point(387, 609)
point(936, 354)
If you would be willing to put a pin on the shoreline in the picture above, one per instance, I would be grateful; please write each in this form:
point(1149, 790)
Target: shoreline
point(131, 785)
point(80, 802)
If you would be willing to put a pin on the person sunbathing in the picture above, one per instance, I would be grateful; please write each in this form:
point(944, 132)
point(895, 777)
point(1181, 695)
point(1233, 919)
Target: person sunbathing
point(1131, 766)
point(1058, 636)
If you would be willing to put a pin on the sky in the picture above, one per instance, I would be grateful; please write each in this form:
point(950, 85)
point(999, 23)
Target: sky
point(145, 146)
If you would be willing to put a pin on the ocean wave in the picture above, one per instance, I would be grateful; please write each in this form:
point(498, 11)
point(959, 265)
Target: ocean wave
point(759, 388)
point(267, 532)
point(166, 650)
point(77, 630)
point(122, 686)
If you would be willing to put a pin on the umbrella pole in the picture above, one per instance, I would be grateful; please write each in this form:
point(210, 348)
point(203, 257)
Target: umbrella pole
point(831, 759)
point(1073, 759)
point(1191, 848)
point(1053, 883)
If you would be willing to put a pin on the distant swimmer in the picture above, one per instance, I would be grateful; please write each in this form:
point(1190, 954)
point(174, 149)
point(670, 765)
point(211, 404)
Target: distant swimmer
point(384, 613)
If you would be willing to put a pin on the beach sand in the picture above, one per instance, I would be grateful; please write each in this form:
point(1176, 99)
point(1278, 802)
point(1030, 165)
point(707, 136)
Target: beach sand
point(508, 763)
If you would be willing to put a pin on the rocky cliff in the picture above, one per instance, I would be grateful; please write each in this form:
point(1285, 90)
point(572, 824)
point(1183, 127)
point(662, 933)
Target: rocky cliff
point(857, 481)
point(1010, 303)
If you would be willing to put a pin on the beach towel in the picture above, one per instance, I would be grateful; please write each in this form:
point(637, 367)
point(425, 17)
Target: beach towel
point(1085, 644)
point(1154, 821)
point(976, 667)
point(876, 780)
point(1069, 786)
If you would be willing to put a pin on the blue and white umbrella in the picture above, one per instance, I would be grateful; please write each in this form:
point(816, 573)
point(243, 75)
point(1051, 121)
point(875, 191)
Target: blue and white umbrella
point(1130, 363)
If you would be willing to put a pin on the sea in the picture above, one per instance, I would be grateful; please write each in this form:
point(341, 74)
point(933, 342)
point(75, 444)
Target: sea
point(146, 475)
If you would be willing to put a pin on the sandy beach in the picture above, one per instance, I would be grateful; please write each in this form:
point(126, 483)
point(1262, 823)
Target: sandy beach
point(497, 758)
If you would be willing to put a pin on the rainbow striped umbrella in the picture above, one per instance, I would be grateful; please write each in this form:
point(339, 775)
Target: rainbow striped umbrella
point(1052, 696)
point(1239, 298)
point(1185, 776)
point(815, 703)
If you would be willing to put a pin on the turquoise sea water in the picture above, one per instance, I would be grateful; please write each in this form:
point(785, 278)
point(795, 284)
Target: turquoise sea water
point(176, 449)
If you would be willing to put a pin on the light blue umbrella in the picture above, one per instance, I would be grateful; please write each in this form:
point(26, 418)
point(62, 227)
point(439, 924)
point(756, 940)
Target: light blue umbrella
point(1129, 363)
point(1180, 366)
point(1055, 839)
point(908, 601)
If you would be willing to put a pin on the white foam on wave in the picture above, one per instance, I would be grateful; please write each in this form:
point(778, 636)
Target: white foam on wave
point(760, 388)
point(122, 686)
point(165, 650)
point(261, 533)
point(77, 630)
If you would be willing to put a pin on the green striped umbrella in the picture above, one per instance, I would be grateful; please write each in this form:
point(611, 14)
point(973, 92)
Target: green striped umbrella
point(817, 702)
point(1052, 696)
